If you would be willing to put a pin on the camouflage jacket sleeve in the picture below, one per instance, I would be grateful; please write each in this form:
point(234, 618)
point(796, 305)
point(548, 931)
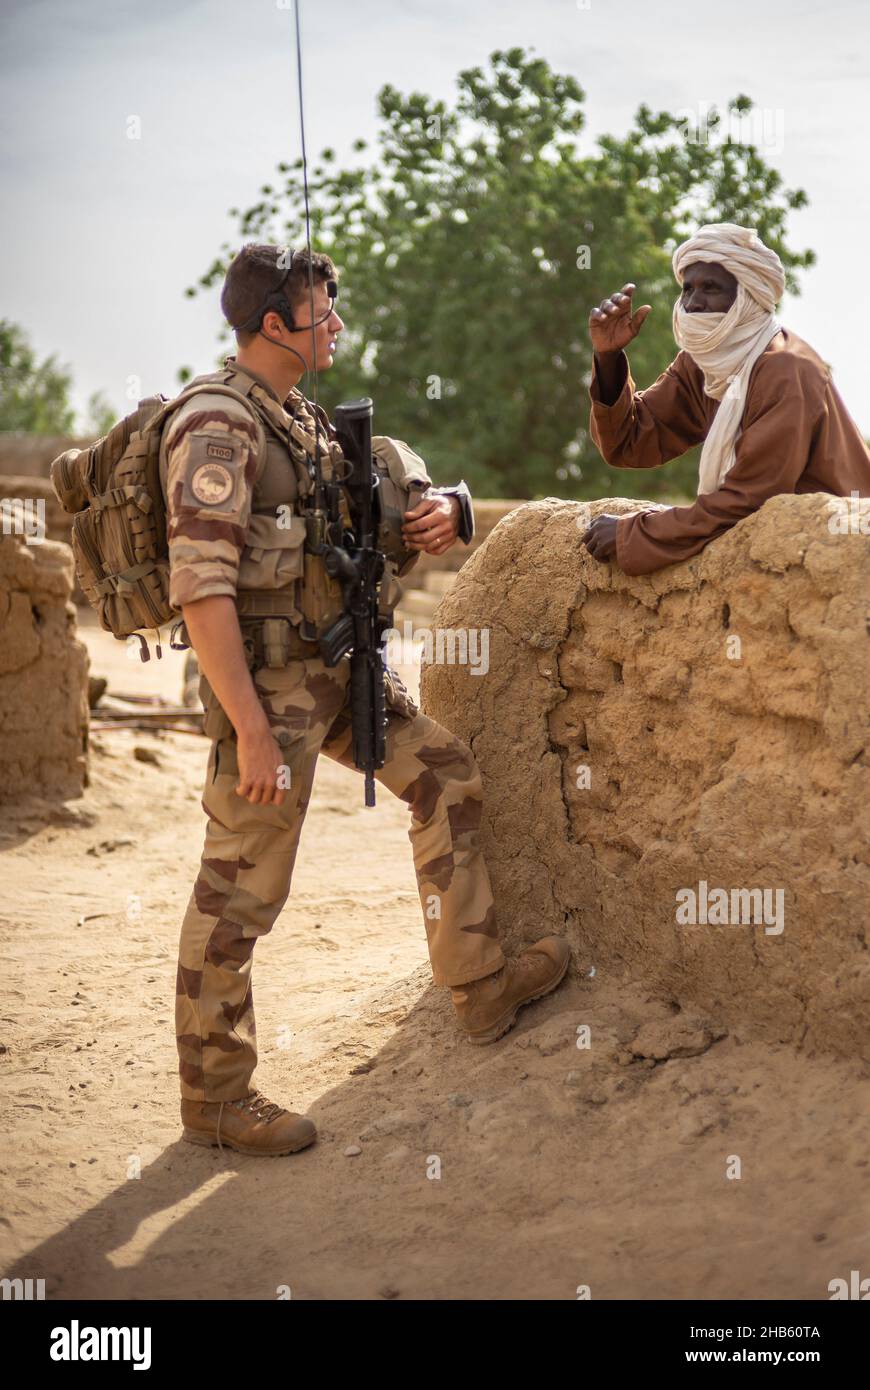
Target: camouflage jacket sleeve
point(406, 468)
point(211, 454)
point(409, 472)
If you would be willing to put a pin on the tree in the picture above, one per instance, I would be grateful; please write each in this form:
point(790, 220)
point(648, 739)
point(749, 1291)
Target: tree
point(102, 415)
point(472, 245)
point(34, 396)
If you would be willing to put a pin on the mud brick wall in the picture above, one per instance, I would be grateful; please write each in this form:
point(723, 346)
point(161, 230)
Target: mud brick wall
point(31, 454)
point(705, 724)
point(43, 674)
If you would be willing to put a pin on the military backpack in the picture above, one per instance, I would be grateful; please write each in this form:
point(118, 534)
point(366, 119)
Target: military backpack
point(112, 491)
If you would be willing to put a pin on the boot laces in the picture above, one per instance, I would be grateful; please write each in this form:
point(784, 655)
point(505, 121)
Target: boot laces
point(265, 1110)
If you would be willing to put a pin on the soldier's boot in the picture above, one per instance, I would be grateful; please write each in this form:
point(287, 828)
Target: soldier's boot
point(487, 1008)
point(252, 1125)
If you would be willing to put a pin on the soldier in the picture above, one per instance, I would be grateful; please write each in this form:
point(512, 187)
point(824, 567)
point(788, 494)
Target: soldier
point(236, 470)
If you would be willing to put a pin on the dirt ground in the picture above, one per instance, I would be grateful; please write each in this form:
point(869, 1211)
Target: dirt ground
point(528, 1169)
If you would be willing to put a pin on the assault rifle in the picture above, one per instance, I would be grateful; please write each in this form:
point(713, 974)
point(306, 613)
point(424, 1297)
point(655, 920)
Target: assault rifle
point(358, 565)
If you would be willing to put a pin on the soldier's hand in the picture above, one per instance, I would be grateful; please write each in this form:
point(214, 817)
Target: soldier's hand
point(612, 325)
point(600, 538)
point(260, 764)
point(433, 525)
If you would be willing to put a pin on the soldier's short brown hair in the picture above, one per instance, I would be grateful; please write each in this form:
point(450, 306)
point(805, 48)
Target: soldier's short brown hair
point(254, 273)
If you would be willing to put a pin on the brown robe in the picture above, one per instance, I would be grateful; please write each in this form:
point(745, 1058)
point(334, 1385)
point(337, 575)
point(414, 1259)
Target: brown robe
point(796, 436)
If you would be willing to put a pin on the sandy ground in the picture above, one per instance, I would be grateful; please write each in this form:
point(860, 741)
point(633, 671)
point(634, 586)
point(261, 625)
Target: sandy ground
point(522, 1170)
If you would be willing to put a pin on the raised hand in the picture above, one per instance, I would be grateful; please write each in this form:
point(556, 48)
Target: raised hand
point(612, 325)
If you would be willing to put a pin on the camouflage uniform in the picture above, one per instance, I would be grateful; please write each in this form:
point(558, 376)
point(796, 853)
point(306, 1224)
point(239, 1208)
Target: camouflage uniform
point(222, 487)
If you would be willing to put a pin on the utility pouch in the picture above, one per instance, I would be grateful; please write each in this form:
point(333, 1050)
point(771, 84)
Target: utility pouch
point(273, 642)
point(272, 556)
point(321, 600)
point(276, 646)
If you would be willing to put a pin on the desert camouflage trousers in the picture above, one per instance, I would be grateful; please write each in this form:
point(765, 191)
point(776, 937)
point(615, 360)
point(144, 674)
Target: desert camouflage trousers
point(250, 850)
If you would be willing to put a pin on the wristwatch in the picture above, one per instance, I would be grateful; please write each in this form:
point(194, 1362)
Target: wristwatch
point(466, 511)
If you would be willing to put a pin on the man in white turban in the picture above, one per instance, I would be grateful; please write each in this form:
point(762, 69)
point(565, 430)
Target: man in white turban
point(761, 400)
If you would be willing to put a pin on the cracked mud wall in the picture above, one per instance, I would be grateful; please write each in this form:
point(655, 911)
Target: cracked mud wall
point(43, 674)
point(740, 763)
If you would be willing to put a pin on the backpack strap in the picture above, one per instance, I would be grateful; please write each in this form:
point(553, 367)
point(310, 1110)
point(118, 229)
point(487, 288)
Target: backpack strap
point(125, 581)
point(117, 496)
point(153, 428)
point(161, 415)
point(249, 393)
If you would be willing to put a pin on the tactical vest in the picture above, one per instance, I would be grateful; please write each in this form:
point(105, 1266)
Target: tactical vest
point(277, 577)
point(115, 492)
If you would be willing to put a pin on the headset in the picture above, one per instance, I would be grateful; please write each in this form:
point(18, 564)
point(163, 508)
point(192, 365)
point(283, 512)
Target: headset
point(278, 303)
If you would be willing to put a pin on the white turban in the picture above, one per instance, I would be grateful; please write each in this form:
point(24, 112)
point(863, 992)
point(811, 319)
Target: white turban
point(727, 346)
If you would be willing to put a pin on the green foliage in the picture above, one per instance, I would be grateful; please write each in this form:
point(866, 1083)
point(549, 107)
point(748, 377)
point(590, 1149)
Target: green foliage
point(34, 396)
point(460, 243)
point(102, 415)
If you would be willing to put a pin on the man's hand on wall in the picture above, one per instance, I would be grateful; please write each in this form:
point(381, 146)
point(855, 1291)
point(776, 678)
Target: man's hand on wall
point(600, 538)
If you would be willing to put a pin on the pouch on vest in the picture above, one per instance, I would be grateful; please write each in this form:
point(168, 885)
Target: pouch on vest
point(273, 556)
point(320, 596)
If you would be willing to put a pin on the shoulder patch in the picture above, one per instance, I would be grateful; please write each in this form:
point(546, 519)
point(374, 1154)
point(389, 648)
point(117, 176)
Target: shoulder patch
point(212, 483)
point(213, 467)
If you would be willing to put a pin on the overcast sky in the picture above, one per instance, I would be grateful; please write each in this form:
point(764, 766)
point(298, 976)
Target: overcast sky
point(102, 233)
